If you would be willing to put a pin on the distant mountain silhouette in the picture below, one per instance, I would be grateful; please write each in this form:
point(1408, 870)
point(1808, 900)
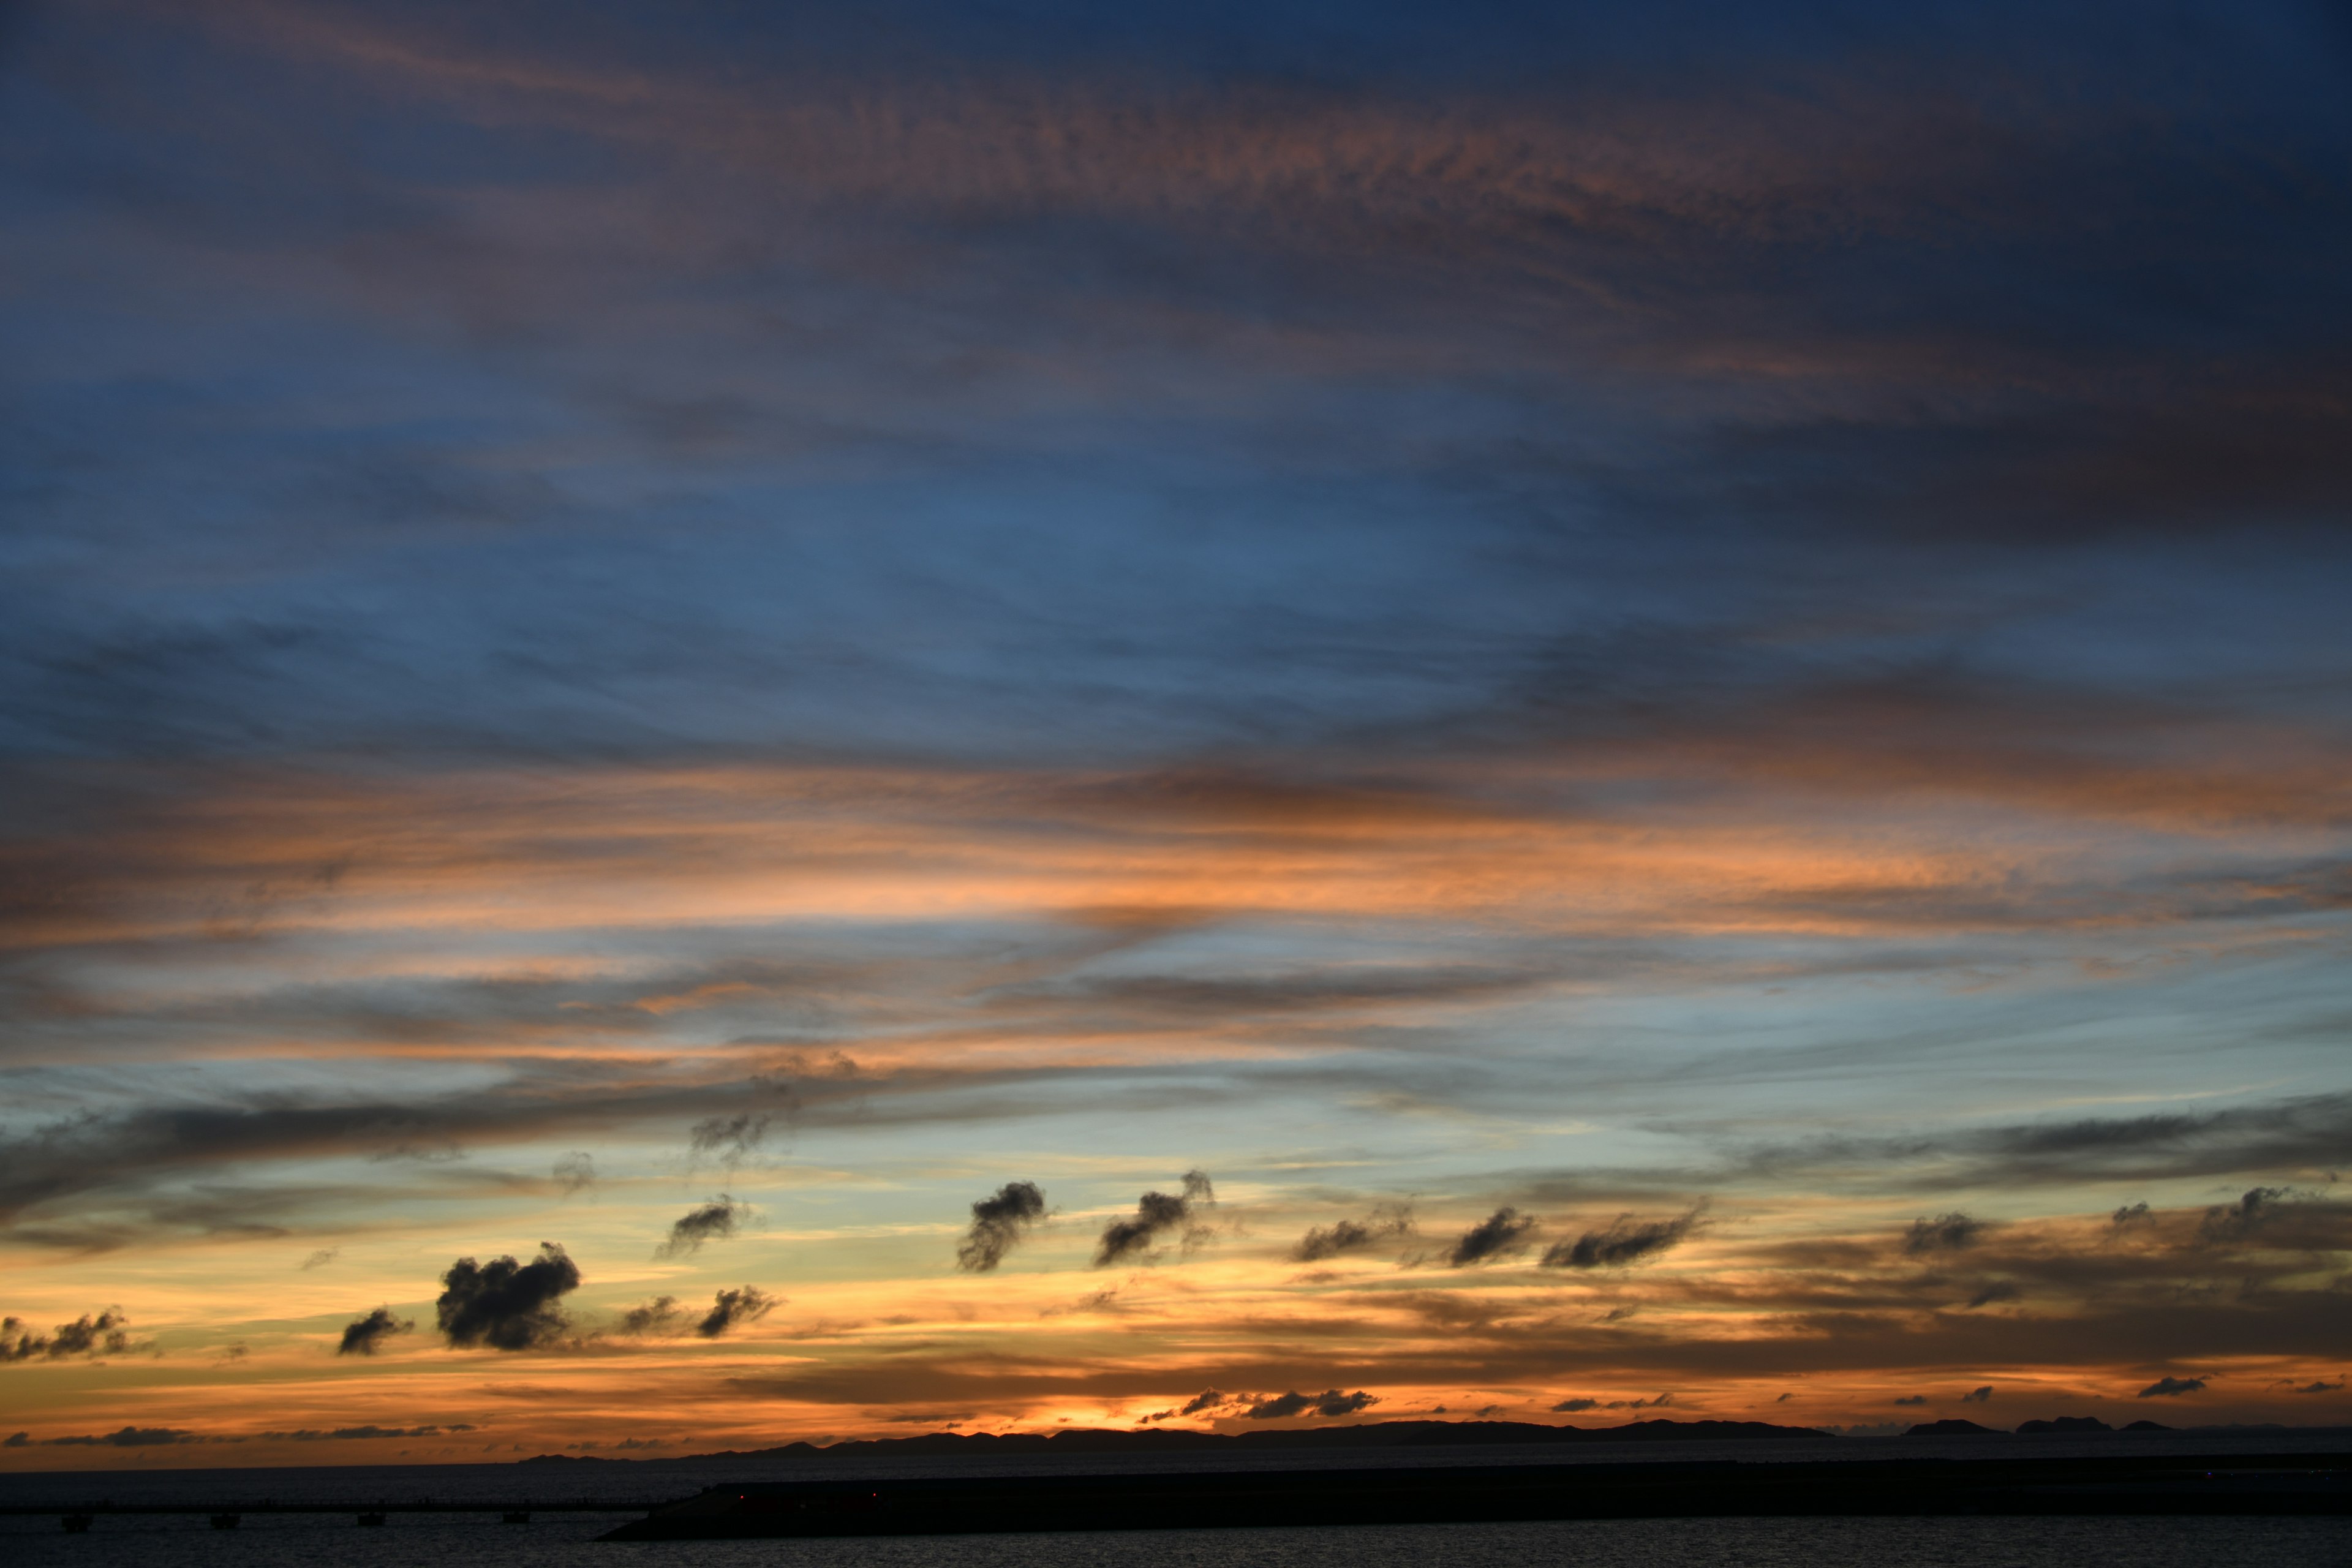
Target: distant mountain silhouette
point(1951, 1426)
point(2066, 1424)
point(1368, 1435)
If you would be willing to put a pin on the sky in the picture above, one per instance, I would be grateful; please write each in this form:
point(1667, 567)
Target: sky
point(730, 723)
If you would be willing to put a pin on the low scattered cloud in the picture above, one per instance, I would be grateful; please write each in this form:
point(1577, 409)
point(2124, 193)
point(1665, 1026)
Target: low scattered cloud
point(1999, 1290)
point(1953, 1232)
point(1331, 1403)
point(363, 1434)
point(1623, 1242)
point(1977, 1395)
point(1657, 1402)
point(2235, 1222)
point(2320, 1386)
point(91, 1334)
point(321, 1257)
point(2129, 1214)
point(506, 1305)
point(1503, 1231)
point(1388, 1222)
point(575, 1172)
point(1156, 1214)
point(712, 1221)
point(655, 1317)
point(363, 1336)
point(1912, 1399)
point(998, 1224)
point(731, 1138)
point(1575, 1405)
point(2171, 1388)
point(134, 1437)
point(730, 1309)
point(1207, 1399)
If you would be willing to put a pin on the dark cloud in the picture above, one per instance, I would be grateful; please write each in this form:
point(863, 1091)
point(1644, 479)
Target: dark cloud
point(1331, 1403)
point(998, 1224)
point(1156, 1214)
point(2320, 1386)
point(1207, 1399)
point(1503, 1232)
point(321, 1257)
point(2130, 1214)
point(1386, 1224)
point(17, 1440)
point(506, 1305)
point(2254, 1209)
point(1953, 1232)
point(1572, 1405)
point(654, 1316)
point(362, 1336)
point(361, 1434)
point(1623, 1242)
point(1981, 1395)
point(731, 1308)
point(1999, 1290)
point(575, 1172)
point(717, 1219)
point(1912, 1399)
point(2171, 1387)
point(133, 1438)
point(730, 1138)
point(102, 1333)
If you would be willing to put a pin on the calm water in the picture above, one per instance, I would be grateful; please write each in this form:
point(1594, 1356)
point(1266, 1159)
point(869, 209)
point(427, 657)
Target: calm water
point(427, 1541)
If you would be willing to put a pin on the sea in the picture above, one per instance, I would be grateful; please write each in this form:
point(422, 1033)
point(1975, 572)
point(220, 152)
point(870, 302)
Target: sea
point(572, 1503)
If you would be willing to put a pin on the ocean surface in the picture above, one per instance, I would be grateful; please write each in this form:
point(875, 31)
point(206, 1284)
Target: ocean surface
point(619, 1492)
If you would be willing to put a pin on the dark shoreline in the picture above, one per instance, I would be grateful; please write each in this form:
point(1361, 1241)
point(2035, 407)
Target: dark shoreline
point(2265, 1484)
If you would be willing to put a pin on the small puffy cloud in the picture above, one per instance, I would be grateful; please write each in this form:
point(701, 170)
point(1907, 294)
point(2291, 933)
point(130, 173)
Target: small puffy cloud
point(574, 1171)
point(1977, 1395)
point(2320, 1386)
point(1912, 1399)
point(362, 1336)
point(17, 1440)
point(998, 1224)
point(713, 1221)
point(1576, 1405)
point(1329, 1403)
point(2129, 1214)
point(1999, 1290)
point(1659, 1403)
point(731, 1308)
point(730, 1139)
point(2235, 1222)
point(1953, 1232)
point(321, 1257)
point(506, 1305)
point(1503, 1231)
point(655, 1317)
point(1207, 1399)
point(1622, 1242)
point(1156, 1214)
point(1386, 1224)
point(91, 1334)
point(2171, 1387)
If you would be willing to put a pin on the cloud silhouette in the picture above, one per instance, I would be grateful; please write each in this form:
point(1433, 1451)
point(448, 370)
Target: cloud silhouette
point(1386, 1224)
point(714, 1220)
point(731, 1137)
point(998, 1224)
point(1952, 1232)
point(102, 1333)
point(506, 1305)
point(1156, 1214)
point(654, 1316)
point(1625, 1241)
point(731, 1308)
point(1574, 1405)
point(1503, 1231)
point(1977, 1395)
point(1207, 1399)
point(1330, 1402)
point(363, 1336)
point(574, 1171)
point(2171, 1388)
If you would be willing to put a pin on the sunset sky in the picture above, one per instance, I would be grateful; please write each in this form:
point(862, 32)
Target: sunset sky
point(1558, 712)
